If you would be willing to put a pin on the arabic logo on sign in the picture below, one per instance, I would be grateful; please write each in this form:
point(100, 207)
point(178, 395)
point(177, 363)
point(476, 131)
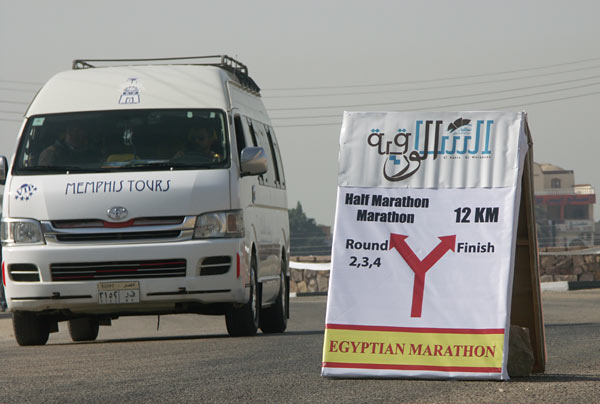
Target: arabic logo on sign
point(420, 267)
point(117, 212)
point(460, 123)
point(25, 191)
point(131, 92)
point(403, 160)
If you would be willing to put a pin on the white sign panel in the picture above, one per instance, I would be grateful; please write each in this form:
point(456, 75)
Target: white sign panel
point(424, 243)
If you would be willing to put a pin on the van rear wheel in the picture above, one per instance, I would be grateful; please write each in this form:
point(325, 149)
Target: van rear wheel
point(244, 320)
point(83, 329)
point(274, 319)
point(30, 328)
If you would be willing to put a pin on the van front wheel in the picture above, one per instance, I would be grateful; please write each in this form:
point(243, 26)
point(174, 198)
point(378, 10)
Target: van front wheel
point(30, 329)
point(243, 320)
point(274, 319)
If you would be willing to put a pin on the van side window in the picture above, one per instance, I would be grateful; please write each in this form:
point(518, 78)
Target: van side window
point(261, 137)
point(239, 135)
point(277, 156)
point(276, 163)
point(252, 133)
point(261, 178)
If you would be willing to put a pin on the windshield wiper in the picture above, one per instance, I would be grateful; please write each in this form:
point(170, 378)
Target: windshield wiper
point(148, 163)
point(151, 164)
point(133, 164)
point(58, 169)
point(117, 166)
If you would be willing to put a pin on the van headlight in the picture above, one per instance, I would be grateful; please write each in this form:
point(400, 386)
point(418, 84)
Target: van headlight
point(21, 231)
point(220, 224)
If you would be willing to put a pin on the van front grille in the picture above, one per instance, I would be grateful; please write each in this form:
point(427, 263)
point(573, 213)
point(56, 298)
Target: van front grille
point(94, 231)
point(80, 271)
point(142, 235)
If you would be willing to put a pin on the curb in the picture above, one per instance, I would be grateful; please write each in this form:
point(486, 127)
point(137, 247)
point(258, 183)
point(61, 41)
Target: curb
point(301, 294)
point(554, 286)
point(565, 286)
point(584, 285)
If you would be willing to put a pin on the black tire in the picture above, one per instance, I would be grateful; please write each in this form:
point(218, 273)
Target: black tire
point(274, 319)
point(243, 320)
point(83, 329)
point(30, 329)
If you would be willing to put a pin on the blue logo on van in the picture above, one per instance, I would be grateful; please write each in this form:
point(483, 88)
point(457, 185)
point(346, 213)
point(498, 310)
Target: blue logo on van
point(25, 192)
point(131, 93)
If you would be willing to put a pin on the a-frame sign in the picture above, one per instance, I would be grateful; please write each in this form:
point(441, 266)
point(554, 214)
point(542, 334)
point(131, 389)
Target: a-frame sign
point(434, 252)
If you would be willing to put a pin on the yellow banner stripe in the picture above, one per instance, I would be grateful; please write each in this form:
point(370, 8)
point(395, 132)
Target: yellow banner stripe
point(449, 351)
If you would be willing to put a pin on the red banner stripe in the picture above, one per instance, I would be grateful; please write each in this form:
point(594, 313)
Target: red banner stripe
point(467, 369)
point(415, 329)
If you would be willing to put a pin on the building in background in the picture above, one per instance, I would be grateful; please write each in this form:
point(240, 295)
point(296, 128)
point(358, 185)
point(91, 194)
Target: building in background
point(564, 210)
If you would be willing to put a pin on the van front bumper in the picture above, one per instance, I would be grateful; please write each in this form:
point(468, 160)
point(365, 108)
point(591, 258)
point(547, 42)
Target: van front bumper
point(76, 294)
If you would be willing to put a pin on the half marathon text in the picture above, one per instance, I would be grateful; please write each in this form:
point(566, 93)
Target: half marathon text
point(364, 215)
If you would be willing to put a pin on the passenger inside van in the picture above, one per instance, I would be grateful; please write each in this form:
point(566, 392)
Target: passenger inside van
point(71, 148)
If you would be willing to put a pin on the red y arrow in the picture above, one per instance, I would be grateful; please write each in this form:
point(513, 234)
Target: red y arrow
point(419, 267)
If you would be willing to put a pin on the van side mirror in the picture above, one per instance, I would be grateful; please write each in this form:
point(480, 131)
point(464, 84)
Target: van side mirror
point(253, 161)
point(3, 170)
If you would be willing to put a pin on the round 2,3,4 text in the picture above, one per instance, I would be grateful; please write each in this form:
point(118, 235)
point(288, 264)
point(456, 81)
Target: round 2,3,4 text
point(365, 262)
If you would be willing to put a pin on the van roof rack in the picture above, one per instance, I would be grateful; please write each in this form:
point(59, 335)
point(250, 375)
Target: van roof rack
point(228, 63)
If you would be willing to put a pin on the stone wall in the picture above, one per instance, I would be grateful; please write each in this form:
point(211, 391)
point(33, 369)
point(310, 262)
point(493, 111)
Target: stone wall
point(305, 281)
point(570, 268)
point(309, 281)
point(553, 268)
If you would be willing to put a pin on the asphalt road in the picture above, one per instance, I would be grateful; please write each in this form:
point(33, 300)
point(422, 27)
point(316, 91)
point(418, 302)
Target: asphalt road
point(190, 359)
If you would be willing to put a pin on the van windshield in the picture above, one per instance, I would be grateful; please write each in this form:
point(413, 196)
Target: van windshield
point(131, 140)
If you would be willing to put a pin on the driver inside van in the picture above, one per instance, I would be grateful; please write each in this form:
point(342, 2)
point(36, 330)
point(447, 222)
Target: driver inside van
point(201, 143)
point(71, 148)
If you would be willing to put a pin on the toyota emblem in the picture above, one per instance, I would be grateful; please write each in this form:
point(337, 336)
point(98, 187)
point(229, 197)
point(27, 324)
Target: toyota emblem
point(117, 213)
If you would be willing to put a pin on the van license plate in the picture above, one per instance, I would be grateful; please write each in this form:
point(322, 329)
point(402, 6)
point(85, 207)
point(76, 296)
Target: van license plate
point(118, 292)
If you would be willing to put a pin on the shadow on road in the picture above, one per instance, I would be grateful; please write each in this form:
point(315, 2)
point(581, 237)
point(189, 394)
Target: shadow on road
point(546, 377)
point(186, 338)
point(291, 333)
point(146, 339)
point(573, 325)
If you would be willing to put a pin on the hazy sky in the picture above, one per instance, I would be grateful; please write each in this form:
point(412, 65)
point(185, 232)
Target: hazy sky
point(538, 56)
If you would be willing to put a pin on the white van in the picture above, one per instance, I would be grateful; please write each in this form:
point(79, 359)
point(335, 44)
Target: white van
point(137, 189)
